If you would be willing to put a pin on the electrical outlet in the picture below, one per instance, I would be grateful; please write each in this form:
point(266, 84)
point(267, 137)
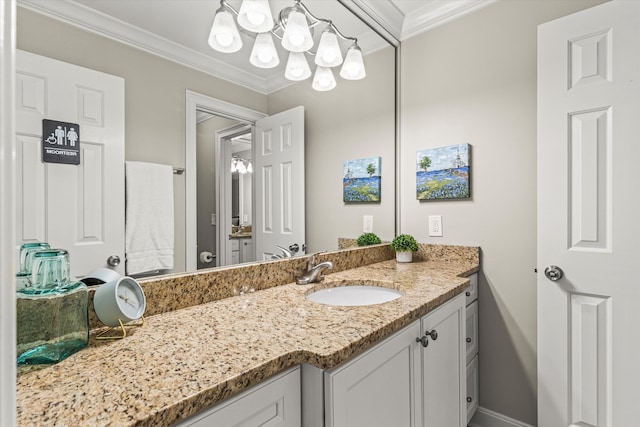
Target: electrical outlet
point(367, 224)
point(435, 225)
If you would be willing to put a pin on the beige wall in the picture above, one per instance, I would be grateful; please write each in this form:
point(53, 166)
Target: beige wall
point(353, 121)
point(154, 95)
point(474, 81)
point(206, 182)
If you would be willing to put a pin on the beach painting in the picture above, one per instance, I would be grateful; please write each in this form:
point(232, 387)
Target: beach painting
point(361, 180)
point(443, 173)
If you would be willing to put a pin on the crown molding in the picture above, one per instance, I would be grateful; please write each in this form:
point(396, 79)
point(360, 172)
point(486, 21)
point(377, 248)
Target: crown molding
point(438, 13)
point(383, 16)
point(96, 22)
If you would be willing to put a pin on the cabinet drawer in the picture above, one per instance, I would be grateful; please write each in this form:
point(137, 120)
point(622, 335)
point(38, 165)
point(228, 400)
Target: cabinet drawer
point(473, 392)
point(471, 339)
point(235, 244)
point(472, 290)
point(274, 403)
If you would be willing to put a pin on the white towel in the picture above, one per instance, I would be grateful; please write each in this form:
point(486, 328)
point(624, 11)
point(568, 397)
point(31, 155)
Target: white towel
point(149, 217)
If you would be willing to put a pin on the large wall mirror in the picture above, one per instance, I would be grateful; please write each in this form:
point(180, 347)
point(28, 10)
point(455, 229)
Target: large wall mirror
point(355, 120)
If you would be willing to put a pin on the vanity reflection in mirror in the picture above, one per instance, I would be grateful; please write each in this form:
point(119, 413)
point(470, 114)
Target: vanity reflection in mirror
point(355, 120)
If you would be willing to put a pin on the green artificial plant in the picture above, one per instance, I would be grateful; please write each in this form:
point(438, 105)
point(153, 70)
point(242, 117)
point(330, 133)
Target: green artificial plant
point(404, 242)
point(367, 239)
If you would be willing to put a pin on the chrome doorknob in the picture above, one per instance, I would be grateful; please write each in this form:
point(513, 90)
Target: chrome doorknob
point(113, 260)
point(553, 273)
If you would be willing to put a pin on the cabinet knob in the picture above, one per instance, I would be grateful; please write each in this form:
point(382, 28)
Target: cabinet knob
point(468, 340)
point(469, 399)
point(468, 293)
point(424, 340)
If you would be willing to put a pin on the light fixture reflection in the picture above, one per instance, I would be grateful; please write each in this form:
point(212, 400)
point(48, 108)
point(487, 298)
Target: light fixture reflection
point(264, 54)
point(240, 165)
point(255, 15)
point(328, 54)
point(297, 36)
point(297, 67)
point(323, 79)
point(224, 36)
point(353, 67)
point(293, 28)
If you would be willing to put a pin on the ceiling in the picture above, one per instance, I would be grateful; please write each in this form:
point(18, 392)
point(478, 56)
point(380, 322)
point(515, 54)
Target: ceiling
point(178, 29)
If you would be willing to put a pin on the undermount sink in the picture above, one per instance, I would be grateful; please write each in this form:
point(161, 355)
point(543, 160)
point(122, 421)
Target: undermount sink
point(354, 295)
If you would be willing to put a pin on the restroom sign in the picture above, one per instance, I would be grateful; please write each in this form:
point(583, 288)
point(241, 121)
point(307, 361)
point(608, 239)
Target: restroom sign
point(60, 142)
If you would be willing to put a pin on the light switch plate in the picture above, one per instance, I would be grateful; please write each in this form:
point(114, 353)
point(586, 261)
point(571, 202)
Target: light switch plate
point(435, 225)
point(367, 224)
point(213, 219)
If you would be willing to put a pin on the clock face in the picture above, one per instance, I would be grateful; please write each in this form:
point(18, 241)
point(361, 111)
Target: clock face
point(130, 298)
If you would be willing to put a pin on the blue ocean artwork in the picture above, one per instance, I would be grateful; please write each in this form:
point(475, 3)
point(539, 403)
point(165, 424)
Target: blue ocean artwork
point(443, 173)
point(362, 179)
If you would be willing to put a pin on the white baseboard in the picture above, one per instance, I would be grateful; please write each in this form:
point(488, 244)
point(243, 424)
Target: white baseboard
point(486, 418)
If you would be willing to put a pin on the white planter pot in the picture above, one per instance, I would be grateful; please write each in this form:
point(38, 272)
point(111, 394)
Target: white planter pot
point(404, 256)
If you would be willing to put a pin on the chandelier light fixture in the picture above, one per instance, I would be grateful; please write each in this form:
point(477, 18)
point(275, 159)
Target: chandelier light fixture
point(294, 30)
point(240, 165)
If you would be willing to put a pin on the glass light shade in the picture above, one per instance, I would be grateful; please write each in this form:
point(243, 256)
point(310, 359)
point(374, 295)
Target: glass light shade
point(224, 36)
point(255, 16)
point(250, 168)
point(353, 67)
point(328, 54)
point(297, 36)
point(241, 167)
point(323, 79)
point(264, 54)
point(297, 67)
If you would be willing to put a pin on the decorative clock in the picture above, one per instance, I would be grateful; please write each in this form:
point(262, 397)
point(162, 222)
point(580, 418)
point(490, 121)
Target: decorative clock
point(119, 301)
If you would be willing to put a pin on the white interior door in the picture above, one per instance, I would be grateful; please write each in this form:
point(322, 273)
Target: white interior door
point(77, 208)
point(588, 217)
point(279, 183)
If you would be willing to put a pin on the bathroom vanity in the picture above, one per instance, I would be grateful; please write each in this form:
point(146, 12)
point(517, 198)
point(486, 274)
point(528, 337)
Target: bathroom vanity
point(274, 353)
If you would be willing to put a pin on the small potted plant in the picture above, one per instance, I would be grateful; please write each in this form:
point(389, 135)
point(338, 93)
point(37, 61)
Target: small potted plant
point(367, 239)
point(404, 245)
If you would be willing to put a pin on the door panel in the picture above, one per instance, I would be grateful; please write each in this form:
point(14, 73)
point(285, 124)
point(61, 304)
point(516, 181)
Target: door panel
point(588, 109)
point(77, 208)
point(279, 172)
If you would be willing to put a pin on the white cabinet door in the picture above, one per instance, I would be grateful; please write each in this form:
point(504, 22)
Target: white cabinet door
point(79, 208)
point(246, 247)
point(274, 403)
point(471, 339)
point(473, 389)
point(378, 388)
point(444, 366)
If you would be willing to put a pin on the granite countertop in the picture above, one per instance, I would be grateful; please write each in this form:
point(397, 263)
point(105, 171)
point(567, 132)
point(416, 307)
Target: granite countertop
point(241, 235)
point(184, 361)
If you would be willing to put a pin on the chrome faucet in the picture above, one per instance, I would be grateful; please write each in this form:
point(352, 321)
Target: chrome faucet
point(314, 271)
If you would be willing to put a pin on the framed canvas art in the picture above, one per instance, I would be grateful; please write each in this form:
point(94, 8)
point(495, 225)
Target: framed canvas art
point(443, 173)
point(361, 180)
